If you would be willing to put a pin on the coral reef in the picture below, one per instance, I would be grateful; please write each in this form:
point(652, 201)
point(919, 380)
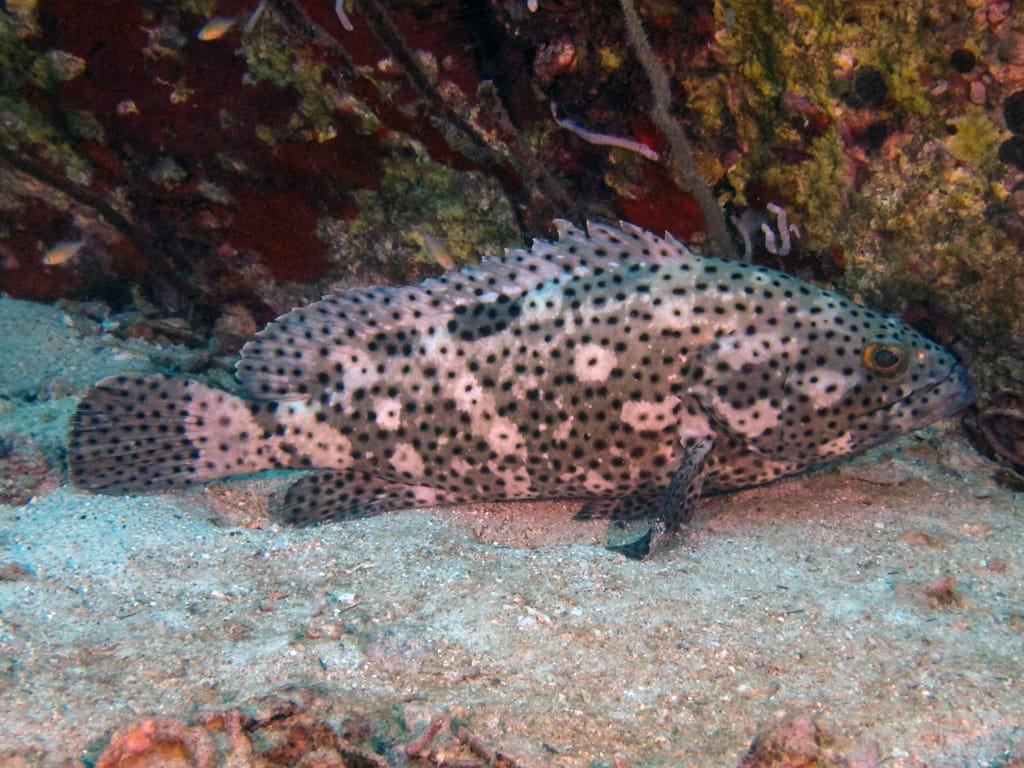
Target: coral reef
point(221, 154)
point(883, 129)
point(203, 167)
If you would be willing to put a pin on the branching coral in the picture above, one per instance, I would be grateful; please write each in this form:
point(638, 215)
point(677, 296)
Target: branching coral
point(481, 131)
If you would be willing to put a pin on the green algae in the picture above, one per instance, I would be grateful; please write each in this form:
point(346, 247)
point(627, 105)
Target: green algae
point(922, 217)
point(805, 52)
point(197, 7)
point(975, 140)
point(286, 67)
point(167, 173)
point(422, 207)
point(23, 127)
point(53, 68)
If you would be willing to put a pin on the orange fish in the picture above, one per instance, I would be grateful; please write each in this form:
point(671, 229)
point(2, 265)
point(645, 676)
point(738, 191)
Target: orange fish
point(215, 28)
point(62, 252)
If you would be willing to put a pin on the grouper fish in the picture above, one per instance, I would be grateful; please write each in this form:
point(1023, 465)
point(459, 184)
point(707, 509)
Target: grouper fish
point(610, 366)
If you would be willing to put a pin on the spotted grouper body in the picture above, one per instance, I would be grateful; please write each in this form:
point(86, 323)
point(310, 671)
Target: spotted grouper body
point(611, 366)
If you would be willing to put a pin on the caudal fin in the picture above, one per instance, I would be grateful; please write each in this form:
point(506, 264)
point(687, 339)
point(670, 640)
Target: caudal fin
point(147, 432)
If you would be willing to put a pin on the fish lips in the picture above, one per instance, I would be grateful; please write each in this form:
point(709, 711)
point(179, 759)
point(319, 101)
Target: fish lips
point(951, 394)
point(925, 405)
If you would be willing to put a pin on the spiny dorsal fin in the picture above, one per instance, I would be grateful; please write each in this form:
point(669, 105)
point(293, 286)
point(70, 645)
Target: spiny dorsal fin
point(305, 349)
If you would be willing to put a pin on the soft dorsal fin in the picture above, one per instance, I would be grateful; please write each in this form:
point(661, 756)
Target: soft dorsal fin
point(298, 353)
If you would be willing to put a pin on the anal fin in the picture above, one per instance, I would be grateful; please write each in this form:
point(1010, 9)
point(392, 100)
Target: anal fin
point(345, 494)
point(640, 503)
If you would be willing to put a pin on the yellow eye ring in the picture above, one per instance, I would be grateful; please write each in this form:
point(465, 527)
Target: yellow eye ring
point(886, 358)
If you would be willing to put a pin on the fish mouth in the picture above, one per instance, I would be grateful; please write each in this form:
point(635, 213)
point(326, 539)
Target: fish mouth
point(963, 391)
point(946, 396)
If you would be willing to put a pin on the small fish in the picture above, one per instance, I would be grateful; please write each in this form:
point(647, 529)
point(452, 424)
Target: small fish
point(61, 253)
point(611, 366)
point(215, 28)
point(437, 250)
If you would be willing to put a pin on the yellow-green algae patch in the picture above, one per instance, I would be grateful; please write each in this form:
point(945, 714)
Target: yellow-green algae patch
point(926, 215)
point(423, 217)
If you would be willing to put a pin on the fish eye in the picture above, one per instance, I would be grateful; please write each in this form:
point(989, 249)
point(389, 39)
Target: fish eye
point(886, 358)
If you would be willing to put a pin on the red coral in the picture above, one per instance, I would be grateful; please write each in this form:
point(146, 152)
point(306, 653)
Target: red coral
point(160, 742)
point(663, 207)
point(165, 99)
point(24, 471)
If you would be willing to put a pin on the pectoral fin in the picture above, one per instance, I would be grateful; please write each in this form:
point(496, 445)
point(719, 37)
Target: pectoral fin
point(675, 506)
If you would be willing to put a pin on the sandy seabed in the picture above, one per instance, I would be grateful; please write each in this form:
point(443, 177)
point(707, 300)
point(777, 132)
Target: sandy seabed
point(885, 597)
